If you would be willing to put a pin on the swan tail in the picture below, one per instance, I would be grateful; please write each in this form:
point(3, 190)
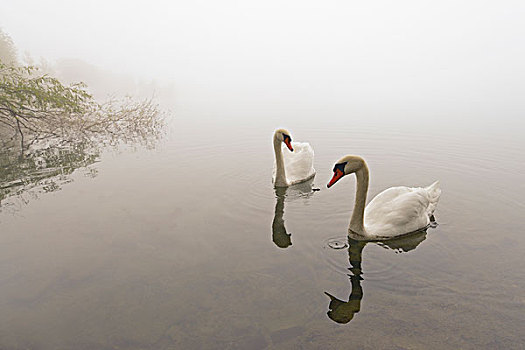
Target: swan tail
point(434, 192)
point(334, 302)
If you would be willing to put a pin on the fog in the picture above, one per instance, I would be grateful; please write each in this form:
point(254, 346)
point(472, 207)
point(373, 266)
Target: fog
point(172, 235)
point(433, 60)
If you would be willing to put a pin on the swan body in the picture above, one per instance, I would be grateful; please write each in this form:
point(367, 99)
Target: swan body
point(291, 167)
point(394, 212)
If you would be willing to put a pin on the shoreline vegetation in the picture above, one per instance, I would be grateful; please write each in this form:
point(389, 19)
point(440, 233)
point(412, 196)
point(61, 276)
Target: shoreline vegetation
point(49, 129)
point(36, 107)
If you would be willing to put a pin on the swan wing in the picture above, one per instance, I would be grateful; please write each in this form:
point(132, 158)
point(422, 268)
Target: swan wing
point(399, 210)
point(299, 164)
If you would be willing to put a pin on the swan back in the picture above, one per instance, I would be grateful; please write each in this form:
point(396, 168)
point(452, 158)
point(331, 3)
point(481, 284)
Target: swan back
point(299, 164)
point(400, 210)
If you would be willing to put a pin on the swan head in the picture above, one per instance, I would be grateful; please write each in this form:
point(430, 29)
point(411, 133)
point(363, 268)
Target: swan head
point(345, 166)
point(284, 135)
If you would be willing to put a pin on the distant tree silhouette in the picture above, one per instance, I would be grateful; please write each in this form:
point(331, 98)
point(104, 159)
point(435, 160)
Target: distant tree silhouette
point(7, 49)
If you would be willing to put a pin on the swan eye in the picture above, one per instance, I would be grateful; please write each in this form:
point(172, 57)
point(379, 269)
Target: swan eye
point(287, 138)
point(340, 166)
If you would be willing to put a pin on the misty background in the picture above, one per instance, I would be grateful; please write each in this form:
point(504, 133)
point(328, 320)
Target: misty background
point(387, 61)
point(184, 243)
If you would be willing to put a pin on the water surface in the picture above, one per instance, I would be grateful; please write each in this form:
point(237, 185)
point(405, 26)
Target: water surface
point(189, 245)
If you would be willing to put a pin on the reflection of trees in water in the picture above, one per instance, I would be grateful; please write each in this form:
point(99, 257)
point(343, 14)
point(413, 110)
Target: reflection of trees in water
point(280, 237)
point(341, 311)
point(45, 163)
point(40, 170)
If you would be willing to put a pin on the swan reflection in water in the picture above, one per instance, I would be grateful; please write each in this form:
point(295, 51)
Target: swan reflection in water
point(280, 237)
point(343, 311)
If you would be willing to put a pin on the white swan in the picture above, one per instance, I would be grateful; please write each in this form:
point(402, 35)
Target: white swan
point(394, 212)
point(295, 166)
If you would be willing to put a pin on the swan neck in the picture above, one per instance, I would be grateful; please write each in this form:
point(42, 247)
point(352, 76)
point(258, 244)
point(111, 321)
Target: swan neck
point(357, 219)
point(280, 174)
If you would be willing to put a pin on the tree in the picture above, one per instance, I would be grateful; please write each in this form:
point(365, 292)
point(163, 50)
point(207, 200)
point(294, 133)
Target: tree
point(48, 129)
point(7, 49)
point(35, 107)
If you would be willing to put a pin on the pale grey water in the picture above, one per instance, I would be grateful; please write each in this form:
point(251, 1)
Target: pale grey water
point(181, 247)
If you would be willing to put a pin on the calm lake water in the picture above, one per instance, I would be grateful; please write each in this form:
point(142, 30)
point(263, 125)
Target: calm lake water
point(187, 245)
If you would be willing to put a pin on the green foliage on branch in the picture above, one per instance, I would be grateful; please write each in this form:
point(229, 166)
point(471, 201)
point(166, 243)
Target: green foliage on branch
point(48, 129)
point(39, 103)
point(36, 106)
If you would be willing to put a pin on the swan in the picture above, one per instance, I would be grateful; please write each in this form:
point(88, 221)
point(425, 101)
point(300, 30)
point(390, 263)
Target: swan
point(295, 167)
point(394, 212)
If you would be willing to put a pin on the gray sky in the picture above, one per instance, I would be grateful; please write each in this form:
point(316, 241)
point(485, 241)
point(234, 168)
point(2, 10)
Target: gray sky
point(397, 54)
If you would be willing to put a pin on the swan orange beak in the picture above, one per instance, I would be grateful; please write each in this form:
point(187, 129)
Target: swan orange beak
point(288, 144)
point(337, 175)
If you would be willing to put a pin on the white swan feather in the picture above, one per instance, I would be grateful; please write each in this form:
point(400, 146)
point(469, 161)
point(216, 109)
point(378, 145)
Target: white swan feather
point(392, 213)
point(299, 164)
point(293, 160)
point(400, 210)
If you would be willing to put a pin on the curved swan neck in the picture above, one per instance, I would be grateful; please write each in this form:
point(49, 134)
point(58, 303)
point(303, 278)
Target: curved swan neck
point(357, 220)
point(280, 174)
